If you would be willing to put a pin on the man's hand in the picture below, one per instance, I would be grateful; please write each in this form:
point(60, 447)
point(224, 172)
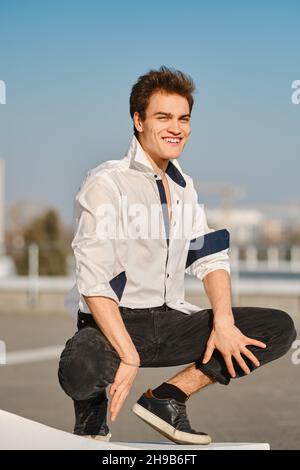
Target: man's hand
point(231, 342)
point(107, 315)
point(119, 390)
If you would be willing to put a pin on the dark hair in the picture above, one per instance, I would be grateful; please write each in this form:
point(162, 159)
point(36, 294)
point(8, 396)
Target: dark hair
point(165, 79)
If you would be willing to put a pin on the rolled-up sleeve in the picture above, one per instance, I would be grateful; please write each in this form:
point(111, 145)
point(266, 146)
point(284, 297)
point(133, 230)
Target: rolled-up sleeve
point(94, 242)
point(208, 248)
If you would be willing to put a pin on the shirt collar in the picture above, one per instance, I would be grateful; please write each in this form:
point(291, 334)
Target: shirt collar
point(139, 161)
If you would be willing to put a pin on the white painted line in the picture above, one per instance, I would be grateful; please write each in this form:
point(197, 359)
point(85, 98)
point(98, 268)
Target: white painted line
point(33, 355)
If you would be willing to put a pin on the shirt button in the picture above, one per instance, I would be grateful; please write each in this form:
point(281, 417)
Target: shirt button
point(174, 223)
point(168, 275)
point(177, 201)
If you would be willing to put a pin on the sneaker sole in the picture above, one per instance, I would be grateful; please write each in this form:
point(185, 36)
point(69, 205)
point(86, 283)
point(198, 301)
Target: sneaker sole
point(179, 437)
point(100, 438)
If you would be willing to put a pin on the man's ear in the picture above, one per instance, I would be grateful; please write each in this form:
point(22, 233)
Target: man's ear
point(138, 122)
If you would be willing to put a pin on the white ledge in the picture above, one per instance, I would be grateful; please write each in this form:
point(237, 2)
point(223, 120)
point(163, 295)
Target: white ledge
point(19, 433)
point(212, 446)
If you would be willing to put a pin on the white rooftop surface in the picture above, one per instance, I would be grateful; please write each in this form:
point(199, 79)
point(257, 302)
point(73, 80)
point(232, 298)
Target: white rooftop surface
point(19, 433)
point(213, 446)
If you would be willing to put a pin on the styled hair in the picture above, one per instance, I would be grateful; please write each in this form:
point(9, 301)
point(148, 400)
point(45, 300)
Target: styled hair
point(166, 80)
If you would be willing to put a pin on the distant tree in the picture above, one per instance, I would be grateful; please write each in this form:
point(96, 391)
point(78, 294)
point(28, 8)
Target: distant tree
point(47, 232)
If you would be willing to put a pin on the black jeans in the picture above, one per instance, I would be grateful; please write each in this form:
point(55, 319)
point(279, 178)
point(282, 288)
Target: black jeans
point(166, 337)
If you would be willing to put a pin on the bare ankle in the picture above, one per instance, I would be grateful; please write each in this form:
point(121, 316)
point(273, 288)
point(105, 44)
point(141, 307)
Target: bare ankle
point(190, 380)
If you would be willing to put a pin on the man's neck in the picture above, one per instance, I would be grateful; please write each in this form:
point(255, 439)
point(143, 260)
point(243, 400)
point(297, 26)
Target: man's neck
point(159, 167)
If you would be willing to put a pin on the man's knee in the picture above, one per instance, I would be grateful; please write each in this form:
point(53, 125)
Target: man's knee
point(285, 326)
point(87, 365)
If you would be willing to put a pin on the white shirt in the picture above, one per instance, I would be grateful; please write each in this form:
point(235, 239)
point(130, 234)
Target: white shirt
point(121, 246)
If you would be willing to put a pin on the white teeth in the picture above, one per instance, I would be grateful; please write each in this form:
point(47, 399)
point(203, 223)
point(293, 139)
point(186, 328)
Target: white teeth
point(174, 141)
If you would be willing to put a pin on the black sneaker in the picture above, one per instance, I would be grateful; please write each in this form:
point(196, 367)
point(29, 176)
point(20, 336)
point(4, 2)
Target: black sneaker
point(91, 418)
point(168, 416)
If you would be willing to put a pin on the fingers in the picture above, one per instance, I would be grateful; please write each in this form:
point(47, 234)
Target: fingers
point(255, 342)
point(241, 363)
point(118, 401)
point(120, 388)
point(250, 355)
point(112, 392)
point(229, 365)
point(208, 353)
point(113, 389)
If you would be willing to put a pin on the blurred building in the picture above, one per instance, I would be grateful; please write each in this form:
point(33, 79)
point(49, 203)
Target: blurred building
point(244, 225)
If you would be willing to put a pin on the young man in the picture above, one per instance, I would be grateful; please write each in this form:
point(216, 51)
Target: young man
point(139, 229)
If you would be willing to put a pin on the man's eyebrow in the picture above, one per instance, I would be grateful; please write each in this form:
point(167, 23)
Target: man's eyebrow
point(170, 115)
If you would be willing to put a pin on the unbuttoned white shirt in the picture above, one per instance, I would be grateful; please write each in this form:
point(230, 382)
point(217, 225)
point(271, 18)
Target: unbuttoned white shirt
point(125, 246)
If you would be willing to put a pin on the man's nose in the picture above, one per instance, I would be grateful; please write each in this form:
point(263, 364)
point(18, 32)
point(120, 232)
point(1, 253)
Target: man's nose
point(174, 127)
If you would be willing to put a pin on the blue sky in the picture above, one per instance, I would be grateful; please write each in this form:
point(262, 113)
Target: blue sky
point(69, 67)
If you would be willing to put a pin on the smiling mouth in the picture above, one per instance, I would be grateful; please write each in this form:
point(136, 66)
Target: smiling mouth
point(174, 141)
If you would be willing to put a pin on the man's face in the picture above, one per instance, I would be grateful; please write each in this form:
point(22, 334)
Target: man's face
point(166, 128)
